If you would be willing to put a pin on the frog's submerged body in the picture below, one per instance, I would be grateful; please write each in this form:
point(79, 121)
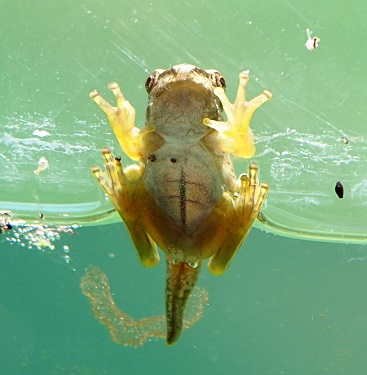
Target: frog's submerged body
point(184, 196)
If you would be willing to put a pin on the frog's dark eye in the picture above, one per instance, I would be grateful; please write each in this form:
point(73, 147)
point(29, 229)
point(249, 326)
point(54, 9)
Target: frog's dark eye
point(152, 80)
point(149, 84)
point(218, 80)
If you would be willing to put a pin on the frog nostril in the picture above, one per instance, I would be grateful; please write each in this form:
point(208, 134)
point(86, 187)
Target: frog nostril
point(173, 160)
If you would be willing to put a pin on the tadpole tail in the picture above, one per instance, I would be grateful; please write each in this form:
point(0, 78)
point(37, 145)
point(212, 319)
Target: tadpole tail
point(181, 278)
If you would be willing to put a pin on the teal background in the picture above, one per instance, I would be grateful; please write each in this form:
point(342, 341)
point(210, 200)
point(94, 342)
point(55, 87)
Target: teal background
point(285, 306)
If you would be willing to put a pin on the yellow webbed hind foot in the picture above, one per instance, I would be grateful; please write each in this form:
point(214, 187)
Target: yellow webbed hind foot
point(123, 189)
point(240, 216)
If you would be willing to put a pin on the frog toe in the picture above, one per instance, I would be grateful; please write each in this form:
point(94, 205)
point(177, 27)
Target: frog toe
point(98, 175)
point(251, 196)
point(103, 103)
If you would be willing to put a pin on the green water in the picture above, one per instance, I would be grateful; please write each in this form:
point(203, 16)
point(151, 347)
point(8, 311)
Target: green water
point(286, 306)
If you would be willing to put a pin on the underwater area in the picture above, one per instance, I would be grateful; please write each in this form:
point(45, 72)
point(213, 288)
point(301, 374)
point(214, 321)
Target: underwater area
point(294, 298)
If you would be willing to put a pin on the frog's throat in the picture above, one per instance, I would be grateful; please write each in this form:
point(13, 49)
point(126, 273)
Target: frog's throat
point(181, 278)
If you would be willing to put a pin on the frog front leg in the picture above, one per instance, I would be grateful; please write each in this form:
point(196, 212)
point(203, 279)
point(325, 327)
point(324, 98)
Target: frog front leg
point(122, 120)
point(125, 192)
point(240, 211)
point(235, 135)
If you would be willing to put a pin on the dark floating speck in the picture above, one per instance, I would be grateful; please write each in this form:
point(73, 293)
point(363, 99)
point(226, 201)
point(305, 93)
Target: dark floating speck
point(345, 140)
point(5, 227)
point(339, 189)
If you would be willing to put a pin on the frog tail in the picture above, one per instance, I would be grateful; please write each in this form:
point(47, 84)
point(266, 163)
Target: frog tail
point(181, 278)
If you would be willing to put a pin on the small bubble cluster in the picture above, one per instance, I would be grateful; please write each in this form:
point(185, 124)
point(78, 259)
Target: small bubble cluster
point(39, 236)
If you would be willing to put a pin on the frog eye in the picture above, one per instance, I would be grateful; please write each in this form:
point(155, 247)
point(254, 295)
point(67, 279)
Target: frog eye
point(223, 82)
point(152, 80)
point(218, 80)
point(149, 83)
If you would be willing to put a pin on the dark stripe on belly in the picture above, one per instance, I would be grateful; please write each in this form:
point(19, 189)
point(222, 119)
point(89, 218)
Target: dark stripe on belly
point(183, 198)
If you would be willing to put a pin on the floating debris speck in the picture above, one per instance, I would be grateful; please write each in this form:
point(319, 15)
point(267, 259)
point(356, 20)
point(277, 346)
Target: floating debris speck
point(312, 42)
point(42, 165)
point(5, 225)
point(339, 190)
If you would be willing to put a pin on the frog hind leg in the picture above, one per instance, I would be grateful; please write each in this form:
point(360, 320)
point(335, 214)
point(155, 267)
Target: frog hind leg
point(241, 216)
point(235, 135)
point(123, 190)
point(146, 247)
point(181, 278)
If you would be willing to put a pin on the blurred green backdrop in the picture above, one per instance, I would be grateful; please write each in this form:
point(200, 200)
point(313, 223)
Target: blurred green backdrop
point(310, 136)
point(285, 306)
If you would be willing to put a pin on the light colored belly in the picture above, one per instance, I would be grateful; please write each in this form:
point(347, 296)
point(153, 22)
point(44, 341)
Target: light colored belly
point(187, 187)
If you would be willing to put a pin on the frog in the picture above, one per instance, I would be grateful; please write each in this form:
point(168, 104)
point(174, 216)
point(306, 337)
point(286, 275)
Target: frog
point(183, 195)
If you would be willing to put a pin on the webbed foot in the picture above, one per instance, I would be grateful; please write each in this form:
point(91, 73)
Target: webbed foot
point(245, 208)
point(122, 189)
point(122, 120)
point(235, 134)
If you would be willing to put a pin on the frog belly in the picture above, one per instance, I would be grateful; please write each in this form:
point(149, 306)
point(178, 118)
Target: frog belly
point(186, 187)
